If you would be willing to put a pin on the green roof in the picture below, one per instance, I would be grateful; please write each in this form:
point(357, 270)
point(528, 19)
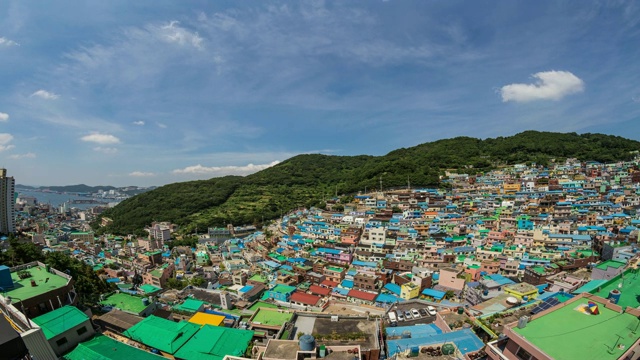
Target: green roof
point(149, 289)
point(629, 290)
point(271, 317)
point(283, 289)
point(125, 302)
point(105, 348)
point(60, 320)
point(567, 333)
point(214, 342)
point(23, 289)
point(610, 263)
point(260, 304)
point(162, 334)
point(190, 305)
point(259, 278)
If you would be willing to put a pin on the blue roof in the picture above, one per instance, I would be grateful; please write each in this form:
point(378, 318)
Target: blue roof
point(371, 264)
point(388, 299)
point(394, 288)
point(272, 264)
point(416, 331)
point(438, 295)
point(501, 280)
point(246, 288)
point(341, 291)
point(347, 284)
point(465, 340)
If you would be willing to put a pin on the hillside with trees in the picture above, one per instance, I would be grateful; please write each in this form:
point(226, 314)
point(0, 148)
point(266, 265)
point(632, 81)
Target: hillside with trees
point(307, 180)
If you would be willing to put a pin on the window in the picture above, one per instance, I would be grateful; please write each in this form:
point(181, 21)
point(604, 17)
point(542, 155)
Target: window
point(524, 354)
point(61, 341)
point(82, 330)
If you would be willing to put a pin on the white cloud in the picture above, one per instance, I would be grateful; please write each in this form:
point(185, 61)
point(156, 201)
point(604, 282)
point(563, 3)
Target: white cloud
point(173, 33)
point(44, 94)
point(99, 138)
point(139, 123)
point(224, 170)
point(141, 174)
point(7, 42)
point(105, 150)
point(23, 156)
point(5, 140)
point(162, 126)
point(550, 85)
point(4, 117)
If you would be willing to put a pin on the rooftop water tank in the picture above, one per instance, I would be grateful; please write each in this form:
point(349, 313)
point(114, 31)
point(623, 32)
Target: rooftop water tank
point(307, 343)
point(145, 301)
point(406, 334)
point(5, 278)
point(614, 295)
point(448, 349)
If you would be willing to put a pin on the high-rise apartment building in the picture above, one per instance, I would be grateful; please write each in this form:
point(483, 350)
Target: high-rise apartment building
point(7, 203)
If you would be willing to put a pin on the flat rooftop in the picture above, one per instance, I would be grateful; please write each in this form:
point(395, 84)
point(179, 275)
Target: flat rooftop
point(271, 317)
point(22, 287)
point(325, 326)
point(282, 349)
point(125, 302)
point(629, 290)
point(570, 332)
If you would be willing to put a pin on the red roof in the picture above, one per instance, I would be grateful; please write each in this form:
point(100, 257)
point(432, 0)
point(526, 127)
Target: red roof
point(304, 298)
point(319, 290)
point(329, 283)
point(362, 295)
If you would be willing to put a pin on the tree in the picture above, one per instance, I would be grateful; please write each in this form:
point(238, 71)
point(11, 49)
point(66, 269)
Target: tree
point(449, 294)
point(174, 283)
point(197, 281)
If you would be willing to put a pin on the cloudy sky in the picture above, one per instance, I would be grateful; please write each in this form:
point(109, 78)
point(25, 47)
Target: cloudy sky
point(153, 92)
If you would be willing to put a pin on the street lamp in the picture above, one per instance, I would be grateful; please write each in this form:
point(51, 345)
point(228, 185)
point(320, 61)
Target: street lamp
point(9, 299)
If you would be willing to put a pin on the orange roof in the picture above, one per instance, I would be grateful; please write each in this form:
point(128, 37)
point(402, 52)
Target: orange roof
point(304, 298)
point(201, 318)
point(362, 295)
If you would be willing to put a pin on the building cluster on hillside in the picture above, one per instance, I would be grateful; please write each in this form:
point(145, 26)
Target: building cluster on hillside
point(525, 262)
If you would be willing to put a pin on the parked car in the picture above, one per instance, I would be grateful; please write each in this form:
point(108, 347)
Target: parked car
point(407, 315)
point(400, 316)
point(423, 312)
point(415, 313)
point(393, 319)
point(431, 310)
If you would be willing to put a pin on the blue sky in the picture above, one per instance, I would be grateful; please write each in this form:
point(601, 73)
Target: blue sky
point(154, 92)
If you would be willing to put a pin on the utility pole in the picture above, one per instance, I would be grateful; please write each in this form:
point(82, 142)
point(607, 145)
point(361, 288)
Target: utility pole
point(381, 185)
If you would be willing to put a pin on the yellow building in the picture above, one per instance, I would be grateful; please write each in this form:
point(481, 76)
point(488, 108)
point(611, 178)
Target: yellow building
point(511, 188)
point(521, 290)
point(201, 318)
point(409, 291)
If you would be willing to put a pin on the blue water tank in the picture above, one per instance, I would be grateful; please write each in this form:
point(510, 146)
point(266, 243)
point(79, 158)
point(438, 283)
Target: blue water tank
point(525, 298)
point(415, 351)
point(145, 301)
point(5, 278)
point(614, 295)
point(307, 343)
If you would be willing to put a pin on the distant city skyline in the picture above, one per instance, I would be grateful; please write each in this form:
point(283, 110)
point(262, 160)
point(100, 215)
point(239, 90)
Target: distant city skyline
point(150, 93)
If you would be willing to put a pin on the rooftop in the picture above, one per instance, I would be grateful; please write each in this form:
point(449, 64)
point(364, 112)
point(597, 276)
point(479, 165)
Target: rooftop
point(164, 335)
point(570, 332)
point(45, 282)
point(125, 302)
point(215, 342)
point(629, 290)
point(60, 320)
point(270, 317)
point(105, 348)
point(201, 318)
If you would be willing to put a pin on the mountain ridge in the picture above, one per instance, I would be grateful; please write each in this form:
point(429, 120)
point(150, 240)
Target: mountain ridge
point(308, 179)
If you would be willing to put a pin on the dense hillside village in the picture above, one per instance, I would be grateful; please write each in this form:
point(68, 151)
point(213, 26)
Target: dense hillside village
point(488, 266)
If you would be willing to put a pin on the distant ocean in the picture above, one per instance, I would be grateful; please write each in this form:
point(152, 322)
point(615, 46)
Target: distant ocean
point(56, 199)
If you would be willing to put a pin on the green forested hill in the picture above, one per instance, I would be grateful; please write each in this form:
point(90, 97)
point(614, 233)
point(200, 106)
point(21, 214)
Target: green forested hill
point(305, 180)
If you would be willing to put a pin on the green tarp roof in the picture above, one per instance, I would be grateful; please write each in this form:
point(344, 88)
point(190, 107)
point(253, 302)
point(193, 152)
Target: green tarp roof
point(105, 348)
point(214, 342)
point(164, 335)
point(60, 320)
